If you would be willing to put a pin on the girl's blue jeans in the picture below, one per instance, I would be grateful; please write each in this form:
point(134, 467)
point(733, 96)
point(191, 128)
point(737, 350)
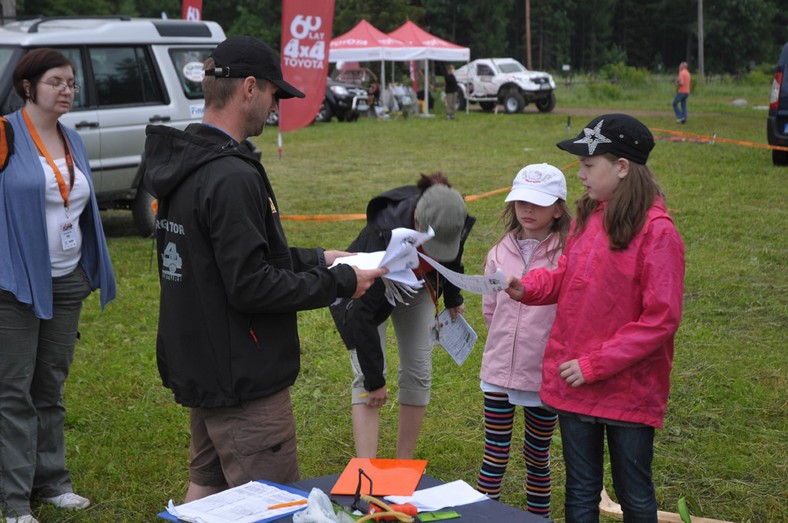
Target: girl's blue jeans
point(631, 452)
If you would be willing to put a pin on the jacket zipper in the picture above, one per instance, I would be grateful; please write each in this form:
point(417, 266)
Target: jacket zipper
point(521, 305)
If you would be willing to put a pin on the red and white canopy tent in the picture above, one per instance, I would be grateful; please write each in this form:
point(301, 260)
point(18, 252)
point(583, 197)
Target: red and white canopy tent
point(366, 43)
point(435, 49)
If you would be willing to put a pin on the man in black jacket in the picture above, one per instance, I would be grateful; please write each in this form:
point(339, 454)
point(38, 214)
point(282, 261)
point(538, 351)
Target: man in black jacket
point(227, 343)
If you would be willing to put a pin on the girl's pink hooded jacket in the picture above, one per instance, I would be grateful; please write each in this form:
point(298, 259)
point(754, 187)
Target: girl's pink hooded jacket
point(618, 312)
point(517, 333)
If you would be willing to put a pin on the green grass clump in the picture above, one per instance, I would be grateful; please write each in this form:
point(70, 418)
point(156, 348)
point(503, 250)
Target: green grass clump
point(725, 435)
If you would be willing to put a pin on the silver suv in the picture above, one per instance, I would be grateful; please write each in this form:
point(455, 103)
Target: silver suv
point(133, 72)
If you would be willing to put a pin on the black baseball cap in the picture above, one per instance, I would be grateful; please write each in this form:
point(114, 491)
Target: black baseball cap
point(242, 56)
point(618, 134)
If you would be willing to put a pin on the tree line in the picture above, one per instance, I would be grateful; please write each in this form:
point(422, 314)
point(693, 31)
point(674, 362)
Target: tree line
point(586, 35)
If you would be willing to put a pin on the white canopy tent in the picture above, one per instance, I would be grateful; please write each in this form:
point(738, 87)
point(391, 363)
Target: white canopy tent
point(434, 49)
point(366, 43)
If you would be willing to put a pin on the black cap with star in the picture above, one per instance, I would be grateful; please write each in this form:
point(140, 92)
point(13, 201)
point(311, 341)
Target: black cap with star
point(618, 134)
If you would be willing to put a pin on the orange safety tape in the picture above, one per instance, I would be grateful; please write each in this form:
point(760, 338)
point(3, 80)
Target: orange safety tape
point(723, 140)
point(351, 217)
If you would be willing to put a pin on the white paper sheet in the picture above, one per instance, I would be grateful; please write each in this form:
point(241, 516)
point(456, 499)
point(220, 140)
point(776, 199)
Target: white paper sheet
point(481, 284)
point(456, 337)
point(452, 494)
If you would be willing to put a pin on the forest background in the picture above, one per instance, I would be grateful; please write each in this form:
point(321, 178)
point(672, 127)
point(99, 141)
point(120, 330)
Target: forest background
point(739, 35)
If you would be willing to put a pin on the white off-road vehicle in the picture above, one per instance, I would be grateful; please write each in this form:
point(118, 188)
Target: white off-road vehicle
point(505, 81)
point(133, 72)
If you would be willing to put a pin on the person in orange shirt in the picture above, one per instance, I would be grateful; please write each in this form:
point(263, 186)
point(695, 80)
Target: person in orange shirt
point(682, 93)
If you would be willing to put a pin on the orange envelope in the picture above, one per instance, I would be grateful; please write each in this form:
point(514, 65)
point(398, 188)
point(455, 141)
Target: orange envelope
point(390, 477)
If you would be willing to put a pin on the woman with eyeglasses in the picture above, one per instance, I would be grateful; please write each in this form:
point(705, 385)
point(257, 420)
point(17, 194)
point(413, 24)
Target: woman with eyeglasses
point(52, 256)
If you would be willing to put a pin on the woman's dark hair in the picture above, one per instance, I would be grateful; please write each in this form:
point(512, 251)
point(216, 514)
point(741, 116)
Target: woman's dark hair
point(626, 211)
point(428, 180)
point(32, 67)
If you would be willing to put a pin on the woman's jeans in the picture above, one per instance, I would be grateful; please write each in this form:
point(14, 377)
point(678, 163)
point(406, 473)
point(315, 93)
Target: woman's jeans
point(631, 452)
point(35, 356)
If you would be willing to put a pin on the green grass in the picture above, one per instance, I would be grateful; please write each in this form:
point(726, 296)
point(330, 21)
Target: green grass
point(725, 435)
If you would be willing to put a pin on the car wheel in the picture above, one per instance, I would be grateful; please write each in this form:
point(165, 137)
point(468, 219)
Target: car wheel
point(352, 116)
point(324, 114)
point(487, 106)
point(779, 157)
point(545, 105)
point(142, 213)
point(513, 102)
point(461, 101)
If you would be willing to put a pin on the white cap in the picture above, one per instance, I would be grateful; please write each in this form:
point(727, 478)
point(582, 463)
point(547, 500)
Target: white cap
point(540, 184)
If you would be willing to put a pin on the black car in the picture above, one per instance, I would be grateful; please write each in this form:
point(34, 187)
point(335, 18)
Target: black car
point(777, 122)
point(343, 100)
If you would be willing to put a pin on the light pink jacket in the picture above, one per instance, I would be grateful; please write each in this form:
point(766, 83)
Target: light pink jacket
point(517, 333)
point(618, 312)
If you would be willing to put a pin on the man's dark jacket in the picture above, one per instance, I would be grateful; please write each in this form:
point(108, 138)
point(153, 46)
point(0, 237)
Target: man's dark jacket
point(230, 285)
point(358, 320)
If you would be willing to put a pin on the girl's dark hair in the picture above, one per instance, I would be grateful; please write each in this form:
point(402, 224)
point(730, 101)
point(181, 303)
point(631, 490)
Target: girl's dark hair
point(32, 67)
point(627, 209)
point(428, 180)
point(559, 226)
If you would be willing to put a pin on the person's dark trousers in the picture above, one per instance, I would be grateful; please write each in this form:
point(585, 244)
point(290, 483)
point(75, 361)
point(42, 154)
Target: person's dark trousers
point(631, 453)
point(680, 106)
point(35, 356)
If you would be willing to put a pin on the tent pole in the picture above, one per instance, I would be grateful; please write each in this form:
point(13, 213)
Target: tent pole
point(426, 91)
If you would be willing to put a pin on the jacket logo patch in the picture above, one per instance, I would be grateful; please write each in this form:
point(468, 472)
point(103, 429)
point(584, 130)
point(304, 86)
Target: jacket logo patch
point(171, 263)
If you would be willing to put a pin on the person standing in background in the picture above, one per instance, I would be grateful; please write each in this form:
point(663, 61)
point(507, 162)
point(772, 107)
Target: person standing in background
point(451, 90)
point(683, 81)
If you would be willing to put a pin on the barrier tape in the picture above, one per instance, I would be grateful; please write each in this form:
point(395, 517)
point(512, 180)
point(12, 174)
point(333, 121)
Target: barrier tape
point(352, 217)
point(715, 138)
point(474, 197)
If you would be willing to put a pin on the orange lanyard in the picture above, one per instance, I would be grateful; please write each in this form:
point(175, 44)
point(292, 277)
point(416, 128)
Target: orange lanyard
point(433, 292)
point(61, 183)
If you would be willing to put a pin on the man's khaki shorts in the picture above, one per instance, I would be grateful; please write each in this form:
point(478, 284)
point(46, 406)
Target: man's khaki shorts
point(231, 446)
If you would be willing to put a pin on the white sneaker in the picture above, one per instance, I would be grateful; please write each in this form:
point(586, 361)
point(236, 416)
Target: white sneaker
point(68, 501)
point(27, 518)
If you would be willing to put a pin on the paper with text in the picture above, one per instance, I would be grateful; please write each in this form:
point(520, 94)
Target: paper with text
point(456, 337)
point(242, 504)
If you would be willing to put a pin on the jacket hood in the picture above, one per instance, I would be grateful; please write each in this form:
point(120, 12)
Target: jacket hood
point(172, 155)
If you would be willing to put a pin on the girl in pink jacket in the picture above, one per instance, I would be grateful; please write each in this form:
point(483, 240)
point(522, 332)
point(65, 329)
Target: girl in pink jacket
point(619, 289)
point(537, 222)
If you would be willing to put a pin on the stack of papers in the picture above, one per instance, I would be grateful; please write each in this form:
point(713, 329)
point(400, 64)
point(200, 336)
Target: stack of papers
point(254, 502)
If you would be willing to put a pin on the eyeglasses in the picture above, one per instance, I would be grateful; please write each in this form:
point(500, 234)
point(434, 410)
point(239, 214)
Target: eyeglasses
point(62, 86)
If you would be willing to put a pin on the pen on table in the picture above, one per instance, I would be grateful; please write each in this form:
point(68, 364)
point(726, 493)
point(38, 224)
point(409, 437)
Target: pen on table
point(288, 504)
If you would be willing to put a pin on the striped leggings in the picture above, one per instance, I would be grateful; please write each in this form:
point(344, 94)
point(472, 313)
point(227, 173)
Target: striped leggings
point(539, 427)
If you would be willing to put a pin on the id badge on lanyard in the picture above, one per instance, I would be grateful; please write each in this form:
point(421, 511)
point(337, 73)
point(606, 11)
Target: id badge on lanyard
point(68, 235)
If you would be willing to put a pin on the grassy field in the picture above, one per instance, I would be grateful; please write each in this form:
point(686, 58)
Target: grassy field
point(725, 435)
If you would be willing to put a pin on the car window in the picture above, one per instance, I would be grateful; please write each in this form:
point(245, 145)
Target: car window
point(73, 54)
point(188, 63)
point(124, 76)
point(484, 70)
point(510, 67)
point(5, 57)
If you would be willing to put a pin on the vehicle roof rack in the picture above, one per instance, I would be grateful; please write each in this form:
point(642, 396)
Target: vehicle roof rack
point(34, 26)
